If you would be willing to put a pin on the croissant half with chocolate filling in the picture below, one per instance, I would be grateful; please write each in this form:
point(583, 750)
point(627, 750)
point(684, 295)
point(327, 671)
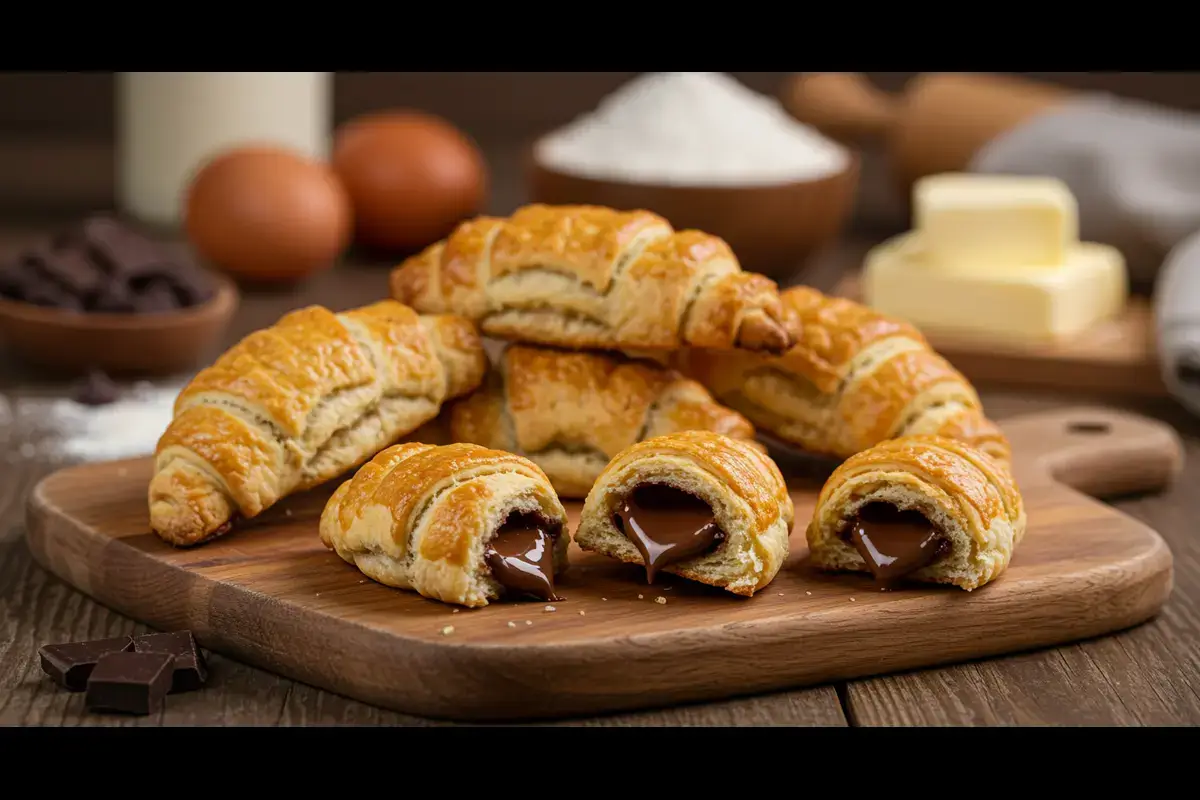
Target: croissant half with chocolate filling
point(694, 504)
point(299, 403)
point(591, 277)
point(854, 378)
point(457, 523)
point(921, 508)
point(571, 413)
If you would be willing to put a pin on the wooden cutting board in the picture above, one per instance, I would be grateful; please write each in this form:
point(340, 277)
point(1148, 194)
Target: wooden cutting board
point(1118, 357)
point(273, 596)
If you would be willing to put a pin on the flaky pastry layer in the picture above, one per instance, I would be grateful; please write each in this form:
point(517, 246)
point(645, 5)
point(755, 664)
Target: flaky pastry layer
point(299, 403)
point(418, 516)
point(853, 379)
point(740, 483)
point(969, 496)
point(593, 277)
point(571, 413)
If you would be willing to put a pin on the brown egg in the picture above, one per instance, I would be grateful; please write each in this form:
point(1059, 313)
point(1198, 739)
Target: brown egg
point(411, 178)
point(266, 214)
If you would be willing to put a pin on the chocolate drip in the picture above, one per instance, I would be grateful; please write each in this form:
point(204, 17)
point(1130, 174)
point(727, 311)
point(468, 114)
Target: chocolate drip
point(667, 525)
point(521, 556)
point(894, 543)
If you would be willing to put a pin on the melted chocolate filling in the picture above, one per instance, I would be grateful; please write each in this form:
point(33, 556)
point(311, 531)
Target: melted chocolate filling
point(894, 543)
point(521, 556)
point(667, 525)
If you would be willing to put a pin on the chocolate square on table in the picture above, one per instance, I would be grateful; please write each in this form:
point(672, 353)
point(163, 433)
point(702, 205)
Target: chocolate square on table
point(191, 671)
point(130, 683)
point(70, 664)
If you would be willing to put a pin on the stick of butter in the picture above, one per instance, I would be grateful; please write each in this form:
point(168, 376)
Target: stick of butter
point(974, 223)
point(1023, 306)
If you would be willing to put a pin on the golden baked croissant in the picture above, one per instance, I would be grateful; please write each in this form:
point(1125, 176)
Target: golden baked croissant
point(458, 523)
point(921, 508)
point(695, 504)
point(571, 413)
point(298, 403)
point(593, 278)
point(854, 378)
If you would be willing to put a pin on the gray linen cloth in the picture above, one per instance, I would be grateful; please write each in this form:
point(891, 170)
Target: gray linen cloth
point(1135, 170)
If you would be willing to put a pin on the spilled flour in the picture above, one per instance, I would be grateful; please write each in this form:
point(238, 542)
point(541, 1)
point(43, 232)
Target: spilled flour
point(59, 429)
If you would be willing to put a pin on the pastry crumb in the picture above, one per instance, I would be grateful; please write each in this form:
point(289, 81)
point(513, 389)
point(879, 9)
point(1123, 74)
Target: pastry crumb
point(550, 608)
point(781, 594)
point(581, 613)
point(640, 596)
point(528, 622)
point(662, 601)
point(512, 624)
point(605, 599)
point(809, 594)
point(457, 610)
point(363, 581)
point(446, 631)
point(318, 594)
point(851, 599)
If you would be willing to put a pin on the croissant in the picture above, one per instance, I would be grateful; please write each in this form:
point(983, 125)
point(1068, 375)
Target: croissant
point(571, 413)
point(694, 504)
point(855, 378)
point(457, 523)
point(590, 277)
point(921, 508)
point(298, 403)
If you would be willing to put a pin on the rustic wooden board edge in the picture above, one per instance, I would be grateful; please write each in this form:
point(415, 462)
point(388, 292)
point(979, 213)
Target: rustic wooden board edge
point(230, 626)
point(990, 365)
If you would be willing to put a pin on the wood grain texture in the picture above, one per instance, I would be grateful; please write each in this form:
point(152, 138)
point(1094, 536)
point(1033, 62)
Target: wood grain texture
point(1116, 357)
point(272, 595)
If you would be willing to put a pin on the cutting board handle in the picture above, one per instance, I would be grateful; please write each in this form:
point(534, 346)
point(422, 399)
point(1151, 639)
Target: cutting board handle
point(1098, 451)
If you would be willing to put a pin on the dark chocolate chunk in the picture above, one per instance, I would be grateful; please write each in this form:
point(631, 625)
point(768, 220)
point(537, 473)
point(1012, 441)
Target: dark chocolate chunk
point(97, 389)
point(71, 663)
point(190, 669)
point(115, 299)
point(43, 292)
point(130, 683)
point(104, 266)
point(69, 269)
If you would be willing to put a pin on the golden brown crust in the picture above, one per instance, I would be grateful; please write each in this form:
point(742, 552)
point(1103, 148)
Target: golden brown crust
point(745, 488)
point(300, 402)
point(417, 516)
point(593, 277)
point(969, 494)
point(572, 412)
point(854, 378)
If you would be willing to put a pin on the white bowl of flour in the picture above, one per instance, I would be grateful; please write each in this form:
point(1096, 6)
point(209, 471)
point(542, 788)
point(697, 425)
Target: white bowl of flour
point(706, 152)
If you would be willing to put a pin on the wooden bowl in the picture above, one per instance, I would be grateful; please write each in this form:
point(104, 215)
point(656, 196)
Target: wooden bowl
point(120, 344)
point(773, 229)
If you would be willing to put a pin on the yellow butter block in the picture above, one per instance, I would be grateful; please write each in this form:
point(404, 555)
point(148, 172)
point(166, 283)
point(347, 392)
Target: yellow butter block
point(1019, 305)
point(975, 222)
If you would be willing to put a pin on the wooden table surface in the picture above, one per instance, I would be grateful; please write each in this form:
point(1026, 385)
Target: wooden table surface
point(1149, 675)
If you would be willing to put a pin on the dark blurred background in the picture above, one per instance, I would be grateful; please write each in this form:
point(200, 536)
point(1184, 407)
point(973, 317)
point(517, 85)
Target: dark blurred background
point(56, 129)
point(507, 105)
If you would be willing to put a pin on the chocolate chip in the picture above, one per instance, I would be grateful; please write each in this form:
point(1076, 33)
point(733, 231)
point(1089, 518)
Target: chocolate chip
point(97, 389)
point(105, 266)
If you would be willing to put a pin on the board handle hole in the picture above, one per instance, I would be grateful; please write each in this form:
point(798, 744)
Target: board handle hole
point(1091, 428)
